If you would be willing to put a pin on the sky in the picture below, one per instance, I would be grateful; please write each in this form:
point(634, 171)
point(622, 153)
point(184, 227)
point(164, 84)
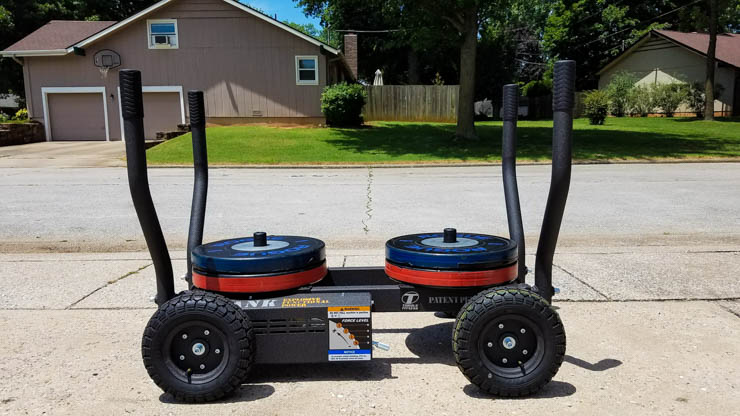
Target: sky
point(285, 10)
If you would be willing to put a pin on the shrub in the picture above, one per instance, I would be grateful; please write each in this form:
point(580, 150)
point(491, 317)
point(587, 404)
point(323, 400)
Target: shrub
point(640, 100)
point(537, 88)
point(670, 96)
point(3, 117)
point(695, 98)
point(21, 114)
point(596, 104)
point(342, 104)
point(618, 90)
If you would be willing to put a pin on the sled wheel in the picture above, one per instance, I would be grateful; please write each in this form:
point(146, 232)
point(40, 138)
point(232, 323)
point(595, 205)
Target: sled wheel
point(198, 346)
point(508, 341)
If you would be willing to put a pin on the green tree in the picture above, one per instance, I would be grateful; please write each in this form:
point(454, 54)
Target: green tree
point(428, 28)
point(593, 32)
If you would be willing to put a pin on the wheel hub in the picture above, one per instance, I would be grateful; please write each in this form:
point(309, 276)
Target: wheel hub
point(510, 344)
point(197, 350)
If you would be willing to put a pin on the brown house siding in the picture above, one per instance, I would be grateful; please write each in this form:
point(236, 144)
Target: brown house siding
point(245, 66)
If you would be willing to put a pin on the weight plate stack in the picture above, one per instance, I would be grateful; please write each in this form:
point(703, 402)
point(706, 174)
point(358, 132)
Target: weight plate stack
point(258, 264)
point(451, 259)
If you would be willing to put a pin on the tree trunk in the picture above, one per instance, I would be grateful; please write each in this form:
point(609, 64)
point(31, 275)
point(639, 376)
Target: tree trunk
point(709, 84)
point(465, 107)
point(413, 61)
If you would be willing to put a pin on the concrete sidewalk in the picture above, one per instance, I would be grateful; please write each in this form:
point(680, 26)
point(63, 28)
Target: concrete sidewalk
point(651, 330)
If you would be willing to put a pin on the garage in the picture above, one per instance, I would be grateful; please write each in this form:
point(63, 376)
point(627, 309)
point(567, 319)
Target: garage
point(162, 112)
point(75, 114)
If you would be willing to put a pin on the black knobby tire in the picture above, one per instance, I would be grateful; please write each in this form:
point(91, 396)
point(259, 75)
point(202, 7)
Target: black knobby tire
point(501, 318)
point(222, 330)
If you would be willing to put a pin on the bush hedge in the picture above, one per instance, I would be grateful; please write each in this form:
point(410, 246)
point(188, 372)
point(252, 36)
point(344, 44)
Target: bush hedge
point(342, 104)
point(618, 91)
point(596, 105)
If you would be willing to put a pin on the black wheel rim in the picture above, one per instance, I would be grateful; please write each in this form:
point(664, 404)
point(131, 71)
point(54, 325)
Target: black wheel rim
point(511, 346)
point(196, 352)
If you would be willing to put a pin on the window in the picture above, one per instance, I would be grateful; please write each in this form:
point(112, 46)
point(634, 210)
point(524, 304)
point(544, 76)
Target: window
point(162, 34)
point(307, 70)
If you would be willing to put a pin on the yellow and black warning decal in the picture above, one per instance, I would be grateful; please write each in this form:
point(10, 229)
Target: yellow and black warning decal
point(350, 336)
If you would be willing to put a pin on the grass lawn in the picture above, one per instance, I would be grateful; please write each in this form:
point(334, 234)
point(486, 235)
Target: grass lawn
point(395, 142)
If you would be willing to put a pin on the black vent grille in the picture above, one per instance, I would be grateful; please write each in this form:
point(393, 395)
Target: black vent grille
point(289, 326)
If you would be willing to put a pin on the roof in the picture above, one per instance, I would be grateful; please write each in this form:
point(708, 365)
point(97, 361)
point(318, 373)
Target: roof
point(727, 51)
point(728, 44)
point(58, 35)
point(112, 27)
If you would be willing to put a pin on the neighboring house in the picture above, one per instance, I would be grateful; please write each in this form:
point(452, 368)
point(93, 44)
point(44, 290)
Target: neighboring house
point(250, 66)
point(9, 103)
point(663, 56)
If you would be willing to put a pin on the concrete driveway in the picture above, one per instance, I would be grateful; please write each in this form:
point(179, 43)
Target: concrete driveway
point(63, 155)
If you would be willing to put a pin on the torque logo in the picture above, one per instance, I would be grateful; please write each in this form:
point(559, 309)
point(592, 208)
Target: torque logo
point(410, 301)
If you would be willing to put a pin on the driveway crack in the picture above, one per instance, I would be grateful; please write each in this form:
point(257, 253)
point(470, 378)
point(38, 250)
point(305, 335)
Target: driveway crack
point(728, 309)
point(583, 282)
point(109, 283)
point(368, 202)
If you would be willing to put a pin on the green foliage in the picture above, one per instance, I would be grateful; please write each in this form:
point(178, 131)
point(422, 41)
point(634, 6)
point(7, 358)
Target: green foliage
point(320, 34)
point(538, 88)
point(3, 117)
point(695, 98)
point(21, 114)
point(618, 91)
point(596, 104)
point(668, 97)
point(640, 100)
point(342, 104)
point(438, 79)
point(593, 32)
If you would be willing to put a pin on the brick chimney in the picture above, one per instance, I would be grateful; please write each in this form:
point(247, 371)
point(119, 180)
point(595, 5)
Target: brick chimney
point(350, 52)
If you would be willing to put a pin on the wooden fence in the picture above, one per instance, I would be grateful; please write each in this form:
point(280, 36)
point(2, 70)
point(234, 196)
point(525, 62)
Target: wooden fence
point(412, 103)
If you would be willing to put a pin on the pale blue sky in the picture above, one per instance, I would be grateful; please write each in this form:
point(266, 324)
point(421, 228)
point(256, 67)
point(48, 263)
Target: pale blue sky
point(285, 9)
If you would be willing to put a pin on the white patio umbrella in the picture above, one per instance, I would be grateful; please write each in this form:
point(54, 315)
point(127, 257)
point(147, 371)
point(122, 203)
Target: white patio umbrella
point(378, 78)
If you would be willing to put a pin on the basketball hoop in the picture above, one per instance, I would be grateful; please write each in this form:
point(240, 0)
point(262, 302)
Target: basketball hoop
point(106, 59)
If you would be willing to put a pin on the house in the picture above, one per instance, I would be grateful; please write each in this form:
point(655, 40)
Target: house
point(250, 66)
point(663, 56)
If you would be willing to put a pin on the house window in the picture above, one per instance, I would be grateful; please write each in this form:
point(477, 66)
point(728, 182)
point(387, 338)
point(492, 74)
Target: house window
point(307, 70)
point(162, 34)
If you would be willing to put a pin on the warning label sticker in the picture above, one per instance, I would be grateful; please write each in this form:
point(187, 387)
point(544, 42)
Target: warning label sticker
point(349, 333)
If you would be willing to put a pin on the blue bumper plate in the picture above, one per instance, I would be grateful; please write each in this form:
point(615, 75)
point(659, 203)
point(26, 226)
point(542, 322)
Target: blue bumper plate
point(468, 252)
point(282, 253)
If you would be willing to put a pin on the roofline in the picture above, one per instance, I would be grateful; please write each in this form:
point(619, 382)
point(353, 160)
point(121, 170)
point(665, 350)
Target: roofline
point(156, 6)
point(704, 54)
point(282, 25)
point(643, 39)
point(624, 54)
point(119, 25)
point(50, 52)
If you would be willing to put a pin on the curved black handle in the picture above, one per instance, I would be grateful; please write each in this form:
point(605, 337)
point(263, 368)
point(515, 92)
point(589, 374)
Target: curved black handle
point(562, 154)
point(508, 168)
point(200, 181)
point(132, 111)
